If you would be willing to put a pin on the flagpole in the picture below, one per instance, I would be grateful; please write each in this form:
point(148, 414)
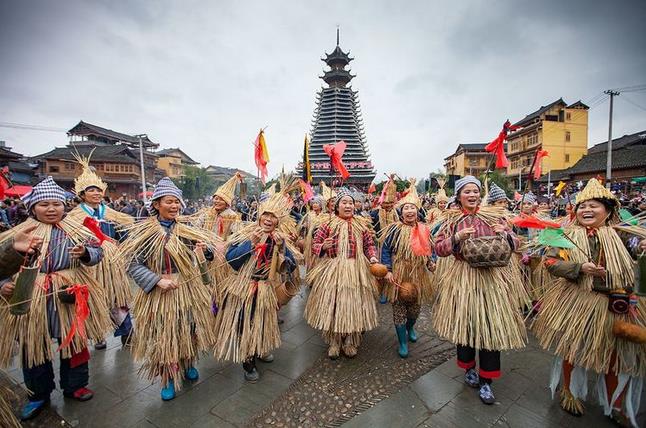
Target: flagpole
point(549, 183)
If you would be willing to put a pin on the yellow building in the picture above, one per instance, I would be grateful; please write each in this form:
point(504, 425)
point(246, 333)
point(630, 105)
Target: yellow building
point(468, 159)
point(172, 162)
point(559, 128)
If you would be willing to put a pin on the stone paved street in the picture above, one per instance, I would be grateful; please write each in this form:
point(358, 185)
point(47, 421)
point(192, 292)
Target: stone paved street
point(304, 388)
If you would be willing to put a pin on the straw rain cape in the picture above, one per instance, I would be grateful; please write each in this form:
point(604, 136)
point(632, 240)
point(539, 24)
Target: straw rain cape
point(343, 293)
point(111, 271)
point(174, 327)
point(48, 317)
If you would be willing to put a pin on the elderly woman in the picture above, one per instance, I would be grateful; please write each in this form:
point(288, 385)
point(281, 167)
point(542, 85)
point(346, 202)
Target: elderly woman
point(173, 306)
point(477, 308)
point(341, 302)
point(262, 261)
point(589, 307)
point(406, 252)
point(63, 270)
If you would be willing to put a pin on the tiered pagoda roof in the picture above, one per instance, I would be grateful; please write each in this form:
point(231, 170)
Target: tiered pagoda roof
point(337, 116)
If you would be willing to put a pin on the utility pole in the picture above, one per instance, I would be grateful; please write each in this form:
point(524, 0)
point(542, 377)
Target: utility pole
point(609, 153)
point(141, 165)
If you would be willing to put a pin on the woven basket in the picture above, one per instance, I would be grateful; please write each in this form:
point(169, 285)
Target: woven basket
point(486, 251)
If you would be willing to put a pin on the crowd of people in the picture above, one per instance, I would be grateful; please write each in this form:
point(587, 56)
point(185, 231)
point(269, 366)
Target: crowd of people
point(211, 276)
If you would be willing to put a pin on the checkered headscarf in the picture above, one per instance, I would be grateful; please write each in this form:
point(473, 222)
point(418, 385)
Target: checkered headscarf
point(495, 194)
point(165, 187)
point(343, 191)
point(529, 197)
point(46, 190)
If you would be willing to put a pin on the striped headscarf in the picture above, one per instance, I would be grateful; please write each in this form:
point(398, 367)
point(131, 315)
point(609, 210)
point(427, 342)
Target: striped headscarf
point(495, 194)
point(469, 179)
point(165, 187)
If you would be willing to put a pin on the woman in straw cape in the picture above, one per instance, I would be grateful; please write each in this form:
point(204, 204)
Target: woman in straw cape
point(406, 252)
point(477, 307)
point(111, 271)
point(341, 302)
point(62, 269)
point(263, 261)
point(441, 201)
point(307, 228)
point(382, 218)
point(173, 307)
point(592, 295)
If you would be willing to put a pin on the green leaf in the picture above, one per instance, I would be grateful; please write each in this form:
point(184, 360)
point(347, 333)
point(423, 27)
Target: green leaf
point(554, 238)
point(627, 217)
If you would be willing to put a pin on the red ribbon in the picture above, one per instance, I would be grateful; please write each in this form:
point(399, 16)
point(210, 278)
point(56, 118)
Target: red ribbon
point(261, 254)
point(94, 227)
point(335, 152)
point(497, 146)
point(82, 311)
point(532, 222)
point(420, 240)
point(220, 226)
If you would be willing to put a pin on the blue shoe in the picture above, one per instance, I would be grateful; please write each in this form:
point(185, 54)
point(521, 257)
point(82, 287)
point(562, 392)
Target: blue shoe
point(403, 340)
point(382, 299)
point(168, 392)
point(412, 334)
point(192, 373)
point(32, 409)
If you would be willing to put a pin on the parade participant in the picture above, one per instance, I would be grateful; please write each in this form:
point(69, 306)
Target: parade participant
point(406, 252)
point(173, 307)
point(341, 303)
point(307, 228)
point(359, 199)
point(111, 272)
point(221, 220)
point(382, 217)
point(581, 310)
point(67, 304)
point(441, 201)
point(477, 303)
point(329, 198)
point(497, 197)
point(263, 260)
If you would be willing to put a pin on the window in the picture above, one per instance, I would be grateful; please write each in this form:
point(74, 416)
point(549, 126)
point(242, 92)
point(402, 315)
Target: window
point(567, 157)
point(567, 135)
point(473, 162)
point(54, 168)
point(69, 166)
point(568, 116)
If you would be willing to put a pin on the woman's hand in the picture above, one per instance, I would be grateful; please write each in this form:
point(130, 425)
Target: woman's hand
point(278, 240)
point(327, 243)
point(390, 278)
point(373, 260)
point(7, 290)
point(166, 285)
point(25, 241)
point(590, 268)
point(201, 246)
point(464, 234)
point(77, 251)
point(499, 228)
point(256, 235)
point(642, 245)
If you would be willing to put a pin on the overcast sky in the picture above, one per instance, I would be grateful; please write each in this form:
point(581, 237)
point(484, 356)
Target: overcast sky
point(205, 76)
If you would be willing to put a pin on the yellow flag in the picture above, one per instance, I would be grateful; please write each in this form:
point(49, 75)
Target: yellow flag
point(558, 189)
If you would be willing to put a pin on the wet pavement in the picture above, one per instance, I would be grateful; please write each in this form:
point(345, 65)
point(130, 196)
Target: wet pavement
point(302, 387)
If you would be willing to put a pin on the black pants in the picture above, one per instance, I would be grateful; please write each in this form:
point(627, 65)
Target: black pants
point(40, 379)
point(489, 361)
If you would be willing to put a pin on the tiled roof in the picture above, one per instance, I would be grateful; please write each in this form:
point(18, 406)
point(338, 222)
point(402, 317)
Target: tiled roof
point(114, 154)
point(82, 128)
point(621, 142)
point(530, 117)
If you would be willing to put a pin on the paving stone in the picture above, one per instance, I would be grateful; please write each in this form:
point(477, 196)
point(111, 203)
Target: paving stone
point(436, 389)
point(403, 409)
point(240, 406)
point(518, 416)
point(84, 413)
point(211, 421)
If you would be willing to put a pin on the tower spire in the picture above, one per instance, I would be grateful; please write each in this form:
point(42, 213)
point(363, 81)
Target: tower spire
point(337, 35)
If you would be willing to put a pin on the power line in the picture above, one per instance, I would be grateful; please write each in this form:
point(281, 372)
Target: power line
point(31, 127)
point(625, 98)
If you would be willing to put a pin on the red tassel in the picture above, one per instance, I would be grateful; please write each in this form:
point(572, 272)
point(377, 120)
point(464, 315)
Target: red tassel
point(420, 240)
point(261, 254)
point(537, 163)
point(81, 295)
point(497, 146)
point(94, 227)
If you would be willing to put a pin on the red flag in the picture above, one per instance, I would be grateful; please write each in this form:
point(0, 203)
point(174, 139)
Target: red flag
point(261, 155)
point(540, 154)
point(5, 183)
point(335, 152)
point(372, 188)
point(308, 192)
point(517, 196)
point(82, 311)
point(497, 146)
point(532, 222)
point(420, 240)
point(94, 227)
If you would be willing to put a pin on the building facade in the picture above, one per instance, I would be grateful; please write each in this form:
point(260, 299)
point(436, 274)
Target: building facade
point(559, 128)
point(172, 161)
point(337, 117)
point(468, 159)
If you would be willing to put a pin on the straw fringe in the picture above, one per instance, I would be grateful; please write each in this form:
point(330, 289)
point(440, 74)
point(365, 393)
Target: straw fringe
point(479, 307)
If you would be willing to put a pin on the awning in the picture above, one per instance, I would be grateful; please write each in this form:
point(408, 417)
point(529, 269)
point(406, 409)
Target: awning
point(638, 180)
point(17, 190)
